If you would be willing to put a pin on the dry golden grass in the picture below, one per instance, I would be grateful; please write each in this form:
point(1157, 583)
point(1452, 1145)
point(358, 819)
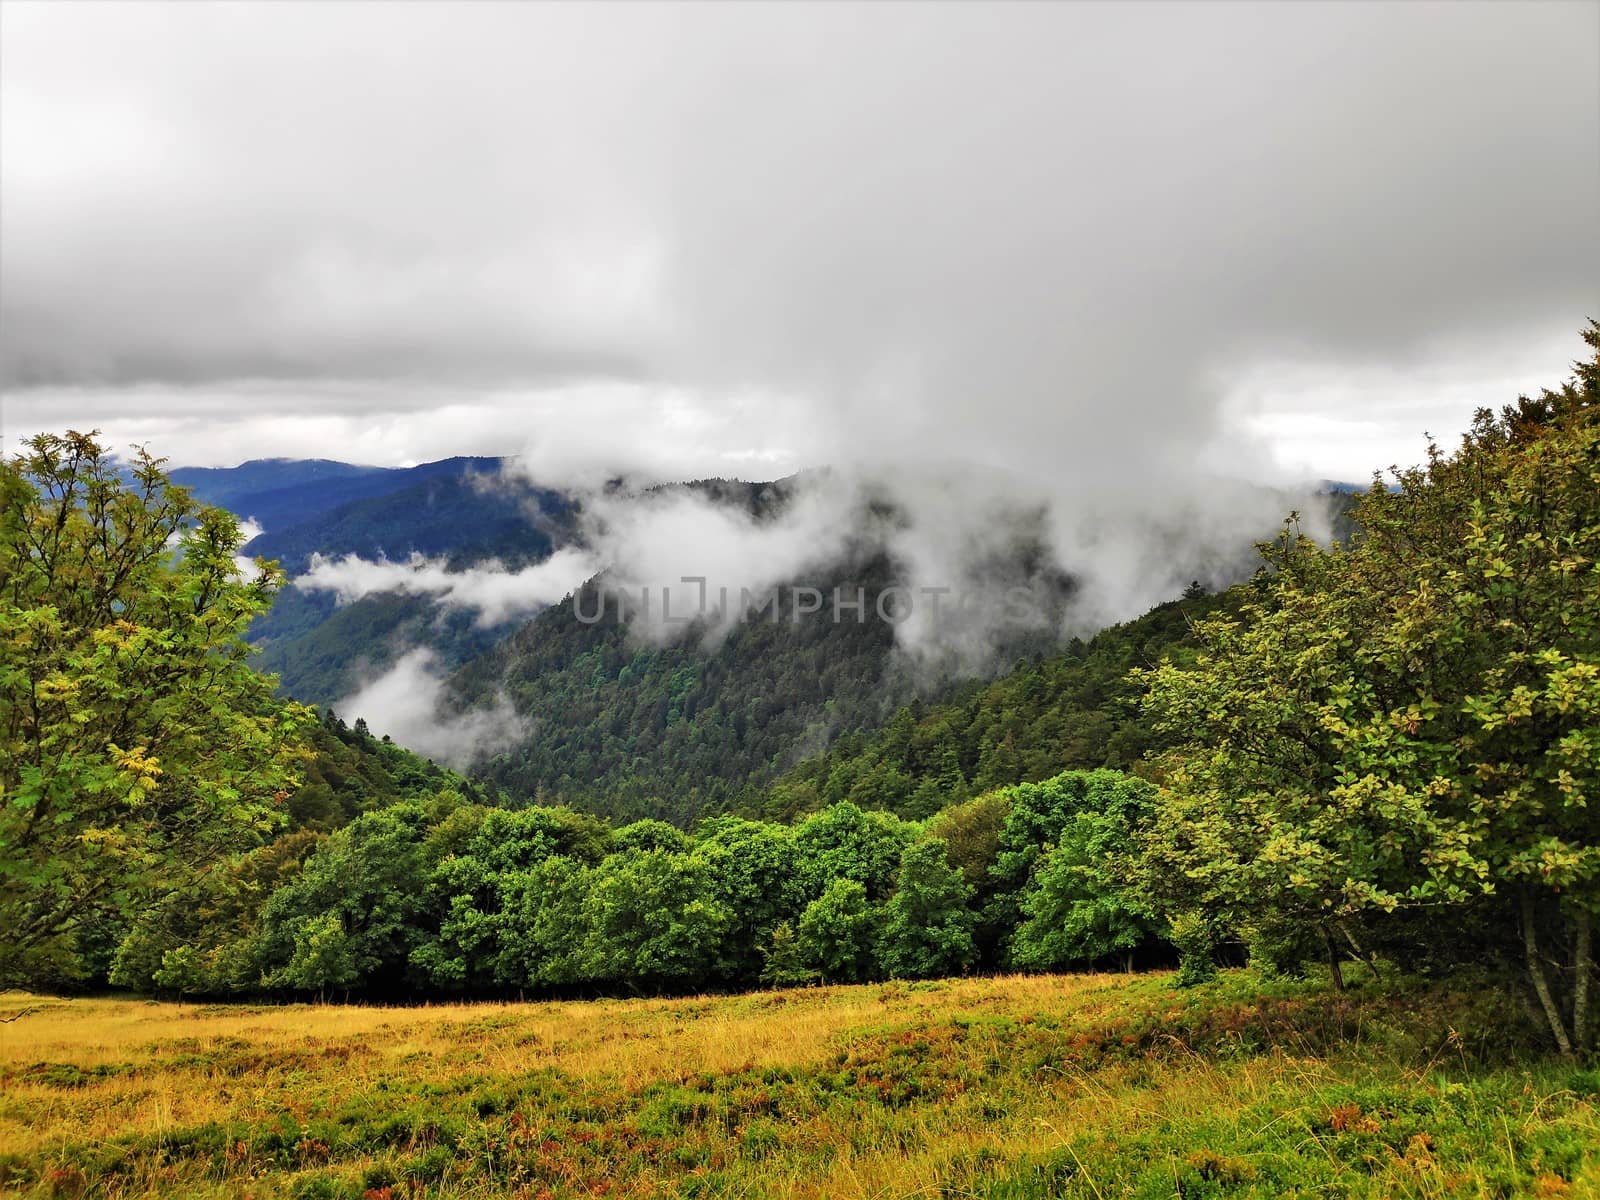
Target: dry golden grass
point(178, 1079)
point(1087, 1085)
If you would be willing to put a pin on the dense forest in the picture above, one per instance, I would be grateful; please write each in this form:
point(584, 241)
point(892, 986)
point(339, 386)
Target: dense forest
point(630, 729)
point(1076, 709)
point(1382, 750)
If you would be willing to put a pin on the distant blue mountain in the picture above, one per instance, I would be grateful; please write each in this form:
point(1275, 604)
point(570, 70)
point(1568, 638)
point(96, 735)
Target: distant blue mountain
point(463, 515)
point(278, 493)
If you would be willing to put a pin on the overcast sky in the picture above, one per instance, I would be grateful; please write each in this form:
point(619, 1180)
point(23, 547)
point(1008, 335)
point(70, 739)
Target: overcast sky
point(1109, 242)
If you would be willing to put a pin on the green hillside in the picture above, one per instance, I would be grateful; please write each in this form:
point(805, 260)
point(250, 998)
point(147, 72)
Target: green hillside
point(1076, 709)
point(628, 729)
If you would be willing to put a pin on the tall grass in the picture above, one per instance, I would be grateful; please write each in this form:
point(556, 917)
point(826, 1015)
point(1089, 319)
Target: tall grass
point(1086, 1085)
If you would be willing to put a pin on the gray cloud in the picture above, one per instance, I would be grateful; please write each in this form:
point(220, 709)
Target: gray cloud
point(496, 594)
point(979, 558)
point(404, 702)
point(1109, 252)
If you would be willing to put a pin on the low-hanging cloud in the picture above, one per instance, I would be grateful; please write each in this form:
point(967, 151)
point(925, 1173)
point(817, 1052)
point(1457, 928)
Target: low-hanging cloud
point(496, 594)
point(405, 703)
point(666, 550)
point(1064, 272)
point(979, 558)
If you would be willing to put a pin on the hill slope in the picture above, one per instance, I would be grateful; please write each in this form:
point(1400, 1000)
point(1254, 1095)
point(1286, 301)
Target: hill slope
point(461, 510)
point(1075, 709)
point(628, 729)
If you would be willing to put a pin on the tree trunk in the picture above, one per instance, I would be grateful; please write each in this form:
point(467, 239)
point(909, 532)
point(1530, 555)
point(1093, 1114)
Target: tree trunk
point(1541, 985)
point(1370, 957)
point(1333, 961)
point(1583, 968)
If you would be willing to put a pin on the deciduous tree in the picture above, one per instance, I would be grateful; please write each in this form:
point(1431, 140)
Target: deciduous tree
point(136, 744)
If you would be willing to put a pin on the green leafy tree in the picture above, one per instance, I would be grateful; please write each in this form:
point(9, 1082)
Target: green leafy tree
point(369, 878)
point(478, 893)
point(136, 744)
point(758, 878)
point(847, 842)
point(928, 926)
point(1078, 906)
point(652, 920)
point(649, 834)
point(1038, 816)
point(1412, 721)
point(784, 964)
point(971, 833)
point(552, 928)
point(211, 929)
point(838, 933)
point(323, 956)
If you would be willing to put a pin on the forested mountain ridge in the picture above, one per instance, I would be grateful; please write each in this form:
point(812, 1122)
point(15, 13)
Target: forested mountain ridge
point(461, 510)
point(781, 718)
point(1076, 709)
point(630, 729)
point(462, 516)
point(776, 719)
point(322, 651)
point(277, 493)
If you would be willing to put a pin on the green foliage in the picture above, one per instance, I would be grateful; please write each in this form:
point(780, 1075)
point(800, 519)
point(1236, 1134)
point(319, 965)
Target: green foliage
point(928, 925)
point(350, 772)
point(757, 870)
point(369, 879)
point(210, 929)
point(783, 962)
point(554, 926)
point(1038, 817)
point(322, 651)
point(212, 926)
point(323, 956)
point(652, 919)
point(136, 745)
point(844, 842)
point(838, 933)
point(971, 832)
point(481, 893)
point(1411, 721)
point(649, 834)
point(452, 897)
point(1191, 935)
point(1075, 709)
point(676, 731)
point(1076, 906)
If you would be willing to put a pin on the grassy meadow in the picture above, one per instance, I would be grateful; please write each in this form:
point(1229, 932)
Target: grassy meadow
point(1082, 1085)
